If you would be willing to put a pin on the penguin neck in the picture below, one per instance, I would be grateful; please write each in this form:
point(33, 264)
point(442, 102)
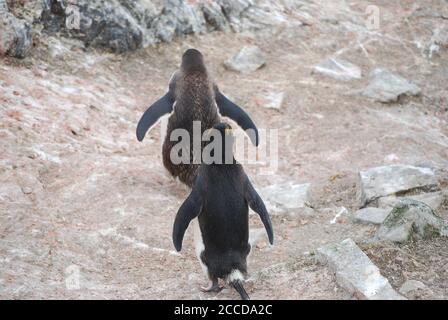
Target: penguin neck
point(225, 161)
point(194, 69)
point(222, 167)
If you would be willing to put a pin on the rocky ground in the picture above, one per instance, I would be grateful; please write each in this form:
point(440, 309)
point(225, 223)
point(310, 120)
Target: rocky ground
point(79, 196)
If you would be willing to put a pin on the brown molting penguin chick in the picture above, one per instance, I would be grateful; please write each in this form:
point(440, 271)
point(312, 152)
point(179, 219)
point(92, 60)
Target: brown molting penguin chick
point(192, 96)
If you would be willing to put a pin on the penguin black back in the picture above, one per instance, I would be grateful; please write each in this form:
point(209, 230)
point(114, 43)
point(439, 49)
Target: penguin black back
point(220, 199)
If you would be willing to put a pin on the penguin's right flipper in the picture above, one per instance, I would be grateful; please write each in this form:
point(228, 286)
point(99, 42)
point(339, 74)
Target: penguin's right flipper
point(189, 210)
point(257, 204)
point(229, 109)
point(161, 107)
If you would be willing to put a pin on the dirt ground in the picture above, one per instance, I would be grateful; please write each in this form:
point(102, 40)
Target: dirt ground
point(80, 195)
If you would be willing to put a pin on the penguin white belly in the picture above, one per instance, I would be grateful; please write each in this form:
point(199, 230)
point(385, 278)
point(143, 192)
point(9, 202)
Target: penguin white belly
point(199, 244)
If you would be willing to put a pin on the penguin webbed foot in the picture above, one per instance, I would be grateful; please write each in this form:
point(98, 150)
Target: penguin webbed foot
point(215, 286)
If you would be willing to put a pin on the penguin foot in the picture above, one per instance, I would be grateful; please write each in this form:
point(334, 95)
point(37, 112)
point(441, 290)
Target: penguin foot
point(215, 286)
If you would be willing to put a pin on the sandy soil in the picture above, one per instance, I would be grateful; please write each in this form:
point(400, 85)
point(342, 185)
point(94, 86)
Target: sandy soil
point(78, 192)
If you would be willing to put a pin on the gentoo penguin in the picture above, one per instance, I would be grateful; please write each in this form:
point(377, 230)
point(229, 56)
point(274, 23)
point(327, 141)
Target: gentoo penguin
point(220, 198)
point(192, 96)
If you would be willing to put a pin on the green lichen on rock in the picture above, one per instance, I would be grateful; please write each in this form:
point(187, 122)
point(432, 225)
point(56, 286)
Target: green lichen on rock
point(430, 232)
point(411, 219)
point(395, 215)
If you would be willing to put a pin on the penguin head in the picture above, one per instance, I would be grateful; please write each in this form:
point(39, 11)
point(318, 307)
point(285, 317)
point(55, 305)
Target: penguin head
point(222, 138)
point(192, 60)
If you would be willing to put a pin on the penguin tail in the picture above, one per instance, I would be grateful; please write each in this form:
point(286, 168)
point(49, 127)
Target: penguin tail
point(238, 285)
point(236, 280)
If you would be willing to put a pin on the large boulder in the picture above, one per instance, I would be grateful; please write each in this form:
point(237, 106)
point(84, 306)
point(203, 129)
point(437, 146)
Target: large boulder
point(370, 215)
point(286, 198)
point(15, 34)
point(106, 24)
point(245, 15)
point(215, 16)
point(385, 86)
point(385, 181)
point(436, 200)
point(120, 25)
point(411, 219)
point(247, 60)
point(178, 17)
point(355, 272)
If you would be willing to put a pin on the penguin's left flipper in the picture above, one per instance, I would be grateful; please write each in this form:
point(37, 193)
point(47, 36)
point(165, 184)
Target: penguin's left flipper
point(189, 210)
point(257, 204)
point(229, 109)
point(161, 107)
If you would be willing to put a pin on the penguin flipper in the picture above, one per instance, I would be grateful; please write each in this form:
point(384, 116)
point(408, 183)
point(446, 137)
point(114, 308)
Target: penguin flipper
point(189, 210)
point(257, 204)
point(161, 107)
point(229, 109)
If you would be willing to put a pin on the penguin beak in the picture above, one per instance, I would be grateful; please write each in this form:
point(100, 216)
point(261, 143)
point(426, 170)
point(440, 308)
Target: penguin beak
point(207, 133)
point(228, 129)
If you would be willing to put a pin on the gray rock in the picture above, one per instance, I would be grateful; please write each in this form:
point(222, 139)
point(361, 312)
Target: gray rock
point(429, 12)
point(390, 180)
point(177, 18)
point(411, 219)
point(215, 17)
point(15, 34)
point(355, 272)
point(436, 200)
point(245, 15)
point(56, 48)
point(183, 17)
point(271, 100)
point(387, 87)
point(121, 26)
point(439, 41)
point(412, 285)
point(29, 11)
point(338, 69)
point(234, 10)
point(117, 26)
point(440, 36)
point(247, 60)
point(370, 215)
point(287, 198)
point(10, 192)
